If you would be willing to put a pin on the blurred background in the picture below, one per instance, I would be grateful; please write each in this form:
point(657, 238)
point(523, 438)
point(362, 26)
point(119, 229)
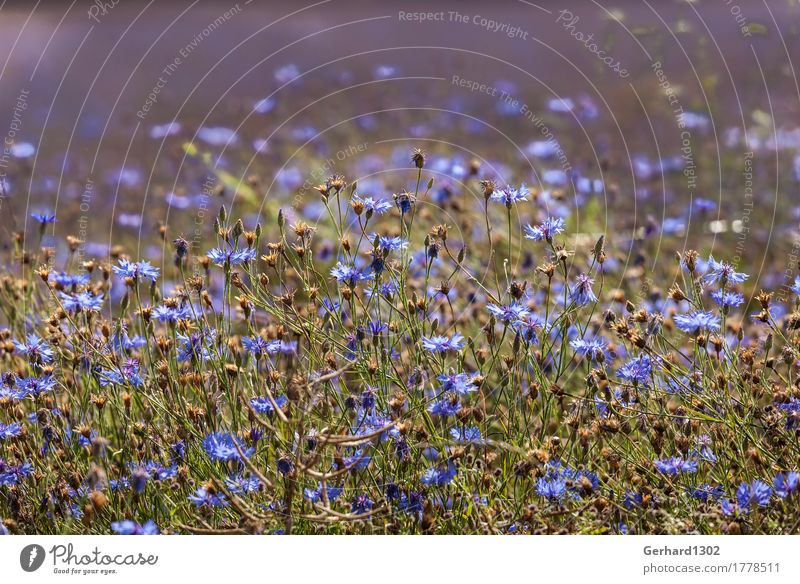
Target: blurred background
point(675, 116)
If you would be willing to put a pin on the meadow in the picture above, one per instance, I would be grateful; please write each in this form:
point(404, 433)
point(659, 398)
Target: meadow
point(436, 330)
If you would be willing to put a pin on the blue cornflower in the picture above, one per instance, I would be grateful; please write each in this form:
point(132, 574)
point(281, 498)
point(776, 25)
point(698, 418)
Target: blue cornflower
point(171, 314)
point(66, 280)
point(466, 434)
point(44, 218)
point(461, 383)
point(581, 293)
point(349, 275)
point(128, 373)
point(552, 487)
point(35, 386)
point(594, 349)
point(723, 272)
point(136, 270)
point(36, 349)
point(387, 290)
point(636, 370)
point(706, 492)
point(796, 286)
point(361, 504)
point(258, 346)
point(129, 527)
point(405, 201)
point(529, 326)
point(12, 474)
point(264, 406)
point(675, 465)
point(242, 485)
point(757, 492)
point(195, 345)
point(388, 242)
point(220, 446)
point(85, 301)
point(315, 495)
point(442, 344)
point(447, 406)
point(703, 450)
point(439, 476)
point(548, 229)
point(509, 195)
point(508, 314)
point(10, 430)
point(378, 207)
point(203, 498)
point(632, 499)
point(786, 483)
point(727, 299)
point(231, 257)
point(697, 321)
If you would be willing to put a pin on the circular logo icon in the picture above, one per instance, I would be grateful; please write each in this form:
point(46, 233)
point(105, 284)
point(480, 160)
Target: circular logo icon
point(31, 557)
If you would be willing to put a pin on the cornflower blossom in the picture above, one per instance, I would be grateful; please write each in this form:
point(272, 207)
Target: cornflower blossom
point(448, 405)
point(36, 349)
point(370, 205)
point(361, 505)
point(35, 386)
point(675, 465)
point(796, 286)
point(136, 271)
point(258, 346)
point(195, 345)
point(697, 321)
point(405, 202)
point(636, 370)
point(581, 293)
point(594, 349)
point(509, 195)
point(528, 328)
point(44, 218)
point(316, 495)
point(466, 434)
point(171, 314)
point(66, 280)
point(786, 483)
point(222, 446)
point(349, 275)
point(442, 344)
point(241, 485)
point(723, 273)
point(202, 497)
point(726, 299)
point(8, 431)
point(757, 493)
point(83, 301)
point(129, 527)
point(509, 313)
point(439, 476)
point(232, 257)
point(546, 231)
point(264, 406)
point(553, 488)
point(389, 243)
point(460, 383)
point(12, 474)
